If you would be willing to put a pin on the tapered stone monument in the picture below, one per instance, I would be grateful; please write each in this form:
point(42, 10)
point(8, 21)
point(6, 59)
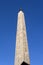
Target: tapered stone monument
point(21, 50)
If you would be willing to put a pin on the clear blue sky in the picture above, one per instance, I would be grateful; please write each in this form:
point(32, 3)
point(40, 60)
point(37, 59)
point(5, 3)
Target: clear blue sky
point(33, 10)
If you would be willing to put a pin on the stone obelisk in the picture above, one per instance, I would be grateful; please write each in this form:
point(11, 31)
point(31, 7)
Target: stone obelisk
point(21, 50)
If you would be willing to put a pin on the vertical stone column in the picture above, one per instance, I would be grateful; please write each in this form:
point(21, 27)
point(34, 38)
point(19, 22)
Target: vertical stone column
point(21, 51)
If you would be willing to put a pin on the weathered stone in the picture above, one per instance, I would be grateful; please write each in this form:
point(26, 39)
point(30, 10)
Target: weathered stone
point(21, 50)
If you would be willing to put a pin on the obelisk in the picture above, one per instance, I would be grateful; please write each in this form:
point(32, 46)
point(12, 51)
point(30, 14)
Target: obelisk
point(21, 50)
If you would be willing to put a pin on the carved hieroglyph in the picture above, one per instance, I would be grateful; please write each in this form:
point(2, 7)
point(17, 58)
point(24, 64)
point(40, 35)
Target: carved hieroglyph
point(21, 50)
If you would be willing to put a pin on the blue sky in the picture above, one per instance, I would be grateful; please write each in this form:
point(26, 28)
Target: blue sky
point(33, 10)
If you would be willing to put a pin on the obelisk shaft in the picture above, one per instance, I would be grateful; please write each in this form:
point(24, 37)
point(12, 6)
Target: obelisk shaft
point(21, 51)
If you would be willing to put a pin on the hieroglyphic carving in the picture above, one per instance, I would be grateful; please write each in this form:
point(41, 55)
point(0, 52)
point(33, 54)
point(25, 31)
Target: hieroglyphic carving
point(21, 51)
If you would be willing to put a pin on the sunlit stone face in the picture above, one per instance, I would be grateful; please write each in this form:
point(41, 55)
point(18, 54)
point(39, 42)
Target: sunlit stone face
point(21, 50)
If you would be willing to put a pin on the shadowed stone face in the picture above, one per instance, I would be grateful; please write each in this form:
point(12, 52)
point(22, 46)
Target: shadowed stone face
point(21, 50)
point(24, 63)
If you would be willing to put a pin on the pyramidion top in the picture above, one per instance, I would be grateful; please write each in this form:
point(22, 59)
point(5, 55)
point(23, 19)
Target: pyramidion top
point(20, 12)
